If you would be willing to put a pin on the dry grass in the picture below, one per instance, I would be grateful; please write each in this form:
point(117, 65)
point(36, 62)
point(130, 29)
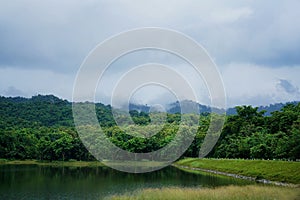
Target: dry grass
point(221, 193)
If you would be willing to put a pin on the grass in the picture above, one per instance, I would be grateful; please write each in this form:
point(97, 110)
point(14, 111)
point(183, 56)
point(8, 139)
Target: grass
point(221, 193)
point(75, 163)
point(282, 171)
point(53, 163)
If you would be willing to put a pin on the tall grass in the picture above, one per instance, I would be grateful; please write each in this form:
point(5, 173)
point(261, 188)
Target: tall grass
point(221, 193)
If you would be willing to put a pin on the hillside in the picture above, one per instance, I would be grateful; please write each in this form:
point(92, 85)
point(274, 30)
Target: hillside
point(42, 128)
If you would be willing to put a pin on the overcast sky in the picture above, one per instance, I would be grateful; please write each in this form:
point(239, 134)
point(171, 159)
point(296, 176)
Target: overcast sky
point(255, 44)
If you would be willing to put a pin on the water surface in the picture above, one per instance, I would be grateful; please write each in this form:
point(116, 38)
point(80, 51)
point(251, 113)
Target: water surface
point(52, 182)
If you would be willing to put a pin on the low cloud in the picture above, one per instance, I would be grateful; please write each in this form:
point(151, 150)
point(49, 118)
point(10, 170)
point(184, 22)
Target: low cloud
point(257, 85)
point(12, 91)
point(287, 87)
point(22, 82)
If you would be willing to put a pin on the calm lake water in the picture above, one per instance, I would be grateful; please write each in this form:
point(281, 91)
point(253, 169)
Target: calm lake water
point(49, 182)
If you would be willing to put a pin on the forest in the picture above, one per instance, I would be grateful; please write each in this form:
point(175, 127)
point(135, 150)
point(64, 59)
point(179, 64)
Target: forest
point(42, 128)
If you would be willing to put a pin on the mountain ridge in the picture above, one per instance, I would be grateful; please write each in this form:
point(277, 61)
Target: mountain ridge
point(174, 107)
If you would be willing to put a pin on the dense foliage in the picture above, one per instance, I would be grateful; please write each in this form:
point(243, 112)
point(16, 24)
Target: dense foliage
point(251, 135)
point(42, 128)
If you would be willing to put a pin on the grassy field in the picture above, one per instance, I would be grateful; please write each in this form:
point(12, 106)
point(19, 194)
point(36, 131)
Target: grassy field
point(221, 193)
point(282, 171)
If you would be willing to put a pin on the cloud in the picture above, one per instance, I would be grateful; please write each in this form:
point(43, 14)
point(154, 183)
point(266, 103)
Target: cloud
point(230, 15)
point(35, 81)
point(260, 85)
point(287, 87)
point(153, 93)
point(51, 34)
point(42, 41)
point(12, 91)
point(58, 35)
point(244, 84)
point(263, 32)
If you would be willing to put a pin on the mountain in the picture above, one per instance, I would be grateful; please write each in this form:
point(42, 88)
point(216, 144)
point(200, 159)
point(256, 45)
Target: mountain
point(43, 110)
point(139, 107)
point(175, 107)
point(50, 110)
point(269, 109)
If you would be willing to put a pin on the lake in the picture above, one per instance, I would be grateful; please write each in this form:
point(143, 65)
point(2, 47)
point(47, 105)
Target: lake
point(54, 182)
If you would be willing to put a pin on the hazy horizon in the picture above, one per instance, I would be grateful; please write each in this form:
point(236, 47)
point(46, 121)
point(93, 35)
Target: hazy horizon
point(167, 104)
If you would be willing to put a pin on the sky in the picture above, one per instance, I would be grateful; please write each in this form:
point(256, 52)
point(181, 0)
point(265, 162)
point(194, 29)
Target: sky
point(255, 45)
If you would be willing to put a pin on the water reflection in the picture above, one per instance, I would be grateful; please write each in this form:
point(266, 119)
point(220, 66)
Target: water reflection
point(49, 182)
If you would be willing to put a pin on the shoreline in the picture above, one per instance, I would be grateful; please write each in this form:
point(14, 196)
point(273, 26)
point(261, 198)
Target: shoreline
point(282, 173)
point(249, 178)
point(75, 163)
point(53, 163)
point(182, 166)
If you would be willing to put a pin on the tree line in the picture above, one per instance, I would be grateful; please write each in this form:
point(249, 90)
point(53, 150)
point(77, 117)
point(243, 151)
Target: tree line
point(42, 128)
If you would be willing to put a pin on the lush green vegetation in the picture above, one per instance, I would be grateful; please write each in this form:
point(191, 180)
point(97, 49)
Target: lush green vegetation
point(42, 128)
point(250, 192)
point(283, 171)
point(250, 134)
